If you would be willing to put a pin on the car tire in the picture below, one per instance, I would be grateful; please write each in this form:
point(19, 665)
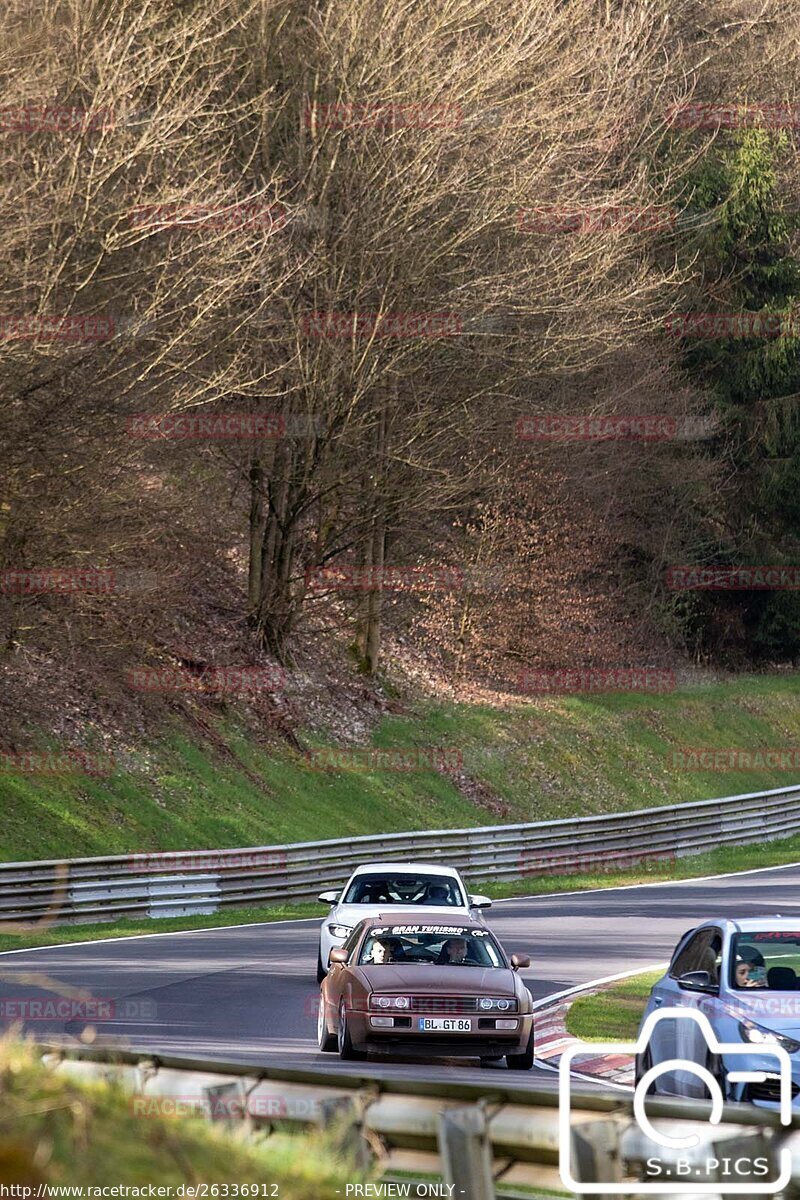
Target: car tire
point(321, 972)
point(347, 1050)
point(325, 1039)
point(643, 1063)
point(524, 1061)
point(715, 1066)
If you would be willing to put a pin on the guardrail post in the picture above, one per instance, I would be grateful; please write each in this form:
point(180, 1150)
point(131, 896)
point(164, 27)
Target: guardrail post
point(343, 1116)
point(595, 1153)
point(466, 1152)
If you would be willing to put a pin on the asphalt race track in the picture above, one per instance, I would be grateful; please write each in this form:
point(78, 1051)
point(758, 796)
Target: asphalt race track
point(249, 993)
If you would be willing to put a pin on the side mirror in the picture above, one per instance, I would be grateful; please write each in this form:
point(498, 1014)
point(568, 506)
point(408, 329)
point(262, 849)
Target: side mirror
point(480, 902)
point(337, 955)
point(698, 981)
point(519, 961)
point(328, 897)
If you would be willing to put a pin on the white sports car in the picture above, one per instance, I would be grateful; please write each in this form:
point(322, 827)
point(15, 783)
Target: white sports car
point(377, 888)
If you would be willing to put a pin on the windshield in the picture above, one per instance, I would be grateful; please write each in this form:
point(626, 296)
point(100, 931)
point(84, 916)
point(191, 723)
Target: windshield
point(442, 945)
point(766, 959)
point(388, 888)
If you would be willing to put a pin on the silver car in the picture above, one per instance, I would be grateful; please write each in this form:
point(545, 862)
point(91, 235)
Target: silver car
point(744, 976)
point(373, 889)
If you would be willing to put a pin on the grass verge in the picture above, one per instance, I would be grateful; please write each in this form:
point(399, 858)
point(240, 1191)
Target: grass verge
point(56, 1130)
point(66, 934)
point(613, 1013)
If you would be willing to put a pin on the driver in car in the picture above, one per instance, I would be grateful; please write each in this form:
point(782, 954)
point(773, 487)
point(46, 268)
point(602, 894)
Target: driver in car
point(453, 951)
point(751, 970)
point(747, 976)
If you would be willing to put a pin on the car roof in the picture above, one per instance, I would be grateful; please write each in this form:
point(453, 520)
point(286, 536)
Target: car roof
point(409, 867)
point(773, 923)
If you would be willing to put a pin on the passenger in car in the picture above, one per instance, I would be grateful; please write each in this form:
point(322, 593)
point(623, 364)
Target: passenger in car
point(381, 952)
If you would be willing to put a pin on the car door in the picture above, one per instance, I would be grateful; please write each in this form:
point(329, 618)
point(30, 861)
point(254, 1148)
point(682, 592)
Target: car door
point(336, 979)
point(683, 1039)
point(661, 1044)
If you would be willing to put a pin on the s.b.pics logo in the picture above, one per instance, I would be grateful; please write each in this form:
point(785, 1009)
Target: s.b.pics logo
point(673, 1155)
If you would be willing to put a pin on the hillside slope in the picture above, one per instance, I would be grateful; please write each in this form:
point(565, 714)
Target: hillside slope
point(536, 760)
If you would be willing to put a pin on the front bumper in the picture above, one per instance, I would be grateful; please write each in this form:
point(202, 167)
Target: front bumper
point(764, 1094)
point(484, 1040)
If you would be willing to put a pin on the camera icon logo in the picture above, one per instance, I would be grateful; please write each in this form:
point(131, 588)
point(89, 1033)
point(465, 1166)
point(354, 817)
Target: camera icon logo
point(658, 1137)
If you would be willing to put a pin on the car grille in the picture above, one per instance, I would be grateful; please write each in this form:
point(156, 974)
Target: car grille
point(444, 1004)
point(769, 1090)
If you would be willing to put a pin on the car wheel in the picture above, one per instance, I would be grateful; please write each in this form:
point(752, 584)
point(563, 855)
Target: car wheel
point(524, 1061)
point(643, 1063)
point(715, 1066)
point(321, 972)
point(346, 1048)
point(325, 1039)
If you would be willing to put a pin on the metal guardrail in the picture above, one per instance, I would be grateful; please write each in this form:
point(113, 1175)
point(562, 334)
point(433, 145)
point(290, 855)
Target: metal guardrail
point(203, 881)
point(490, 1140)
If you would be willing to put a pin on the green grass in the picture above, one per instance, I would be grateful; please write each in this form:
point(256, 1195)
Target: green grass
point(716, 862)
point(67, 934)
point(56, 1130)
point(536, 760)
point(612, 1014)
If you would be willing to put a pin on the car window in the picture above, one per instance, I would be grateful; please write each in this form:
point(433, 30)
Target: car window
point(703, 952)
point(350, 943)
point(432, 945)
point(766, 959)
point(404, 888)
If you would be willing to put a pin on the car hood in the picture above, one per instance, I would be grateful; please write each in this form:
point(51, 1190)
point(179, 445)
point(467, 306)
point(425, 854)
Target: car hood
point(429, 979)
point(351, 914)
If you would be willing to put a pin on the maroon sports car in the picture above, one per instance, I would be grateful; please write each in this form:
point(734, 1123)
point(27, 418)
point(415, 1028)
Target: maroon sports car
point(434, 990)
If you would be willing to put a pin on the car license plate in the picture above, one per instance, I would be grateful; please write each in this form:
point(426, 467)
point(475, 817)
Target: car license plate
point(448, 1024)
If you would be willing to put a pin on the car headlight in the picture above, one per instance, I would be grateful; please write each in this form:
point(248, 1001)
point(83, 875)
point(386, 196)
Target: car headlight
point(758, 1036)
point(389, 1001)
point(490, 1004)
point(340, 931)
